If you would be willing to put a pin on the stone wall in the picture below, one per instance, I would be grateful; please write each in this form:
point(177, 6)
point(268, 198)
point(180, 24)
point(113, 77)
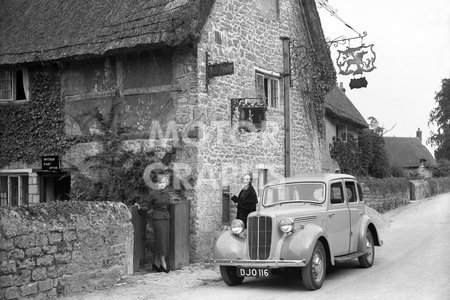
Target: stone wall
point(385, 194)
point(429, 187)
point(59, 248)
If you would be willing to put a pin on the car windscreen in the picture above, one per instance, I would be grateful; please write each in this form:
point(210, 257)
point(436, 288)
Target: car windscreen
point(309, 192)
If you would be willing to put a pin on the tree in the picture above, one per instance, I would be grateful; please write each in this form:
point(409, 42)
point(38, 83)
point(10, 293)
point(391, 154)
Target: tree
point(377, 128)
point(440, 117)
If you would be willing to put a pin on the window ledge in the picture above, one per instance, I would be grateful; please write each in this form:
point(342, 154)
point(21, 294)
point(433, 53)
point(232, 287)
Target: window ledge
point(18, 102)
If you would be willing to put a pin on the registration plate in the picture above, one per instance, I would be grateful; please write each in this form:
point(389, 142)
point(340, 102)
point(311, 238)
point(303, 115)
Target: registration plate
point(253, 272)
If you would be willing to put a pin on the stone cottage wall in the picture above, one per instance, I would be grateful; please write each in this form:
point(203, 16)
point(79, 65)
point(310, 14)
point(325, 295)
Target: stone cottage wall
point(59, 248)
point(248, 34)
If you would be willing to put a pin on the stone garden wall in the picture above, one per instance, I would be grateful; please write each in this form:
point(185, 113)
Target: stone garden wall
point(429, 187)
point(59, 248)
point(385, 194)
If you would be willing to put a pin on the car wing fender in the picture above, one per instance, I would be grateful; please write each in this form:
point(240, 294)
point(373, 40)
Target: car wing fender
point(229, 246)
point(300, 244)
point(368, 224)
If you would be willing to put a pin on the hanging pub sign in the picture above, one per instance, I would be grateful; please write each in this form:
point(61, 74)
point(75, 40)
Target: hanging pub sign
point(50, 163)
point(357, 83)
point(356, 60)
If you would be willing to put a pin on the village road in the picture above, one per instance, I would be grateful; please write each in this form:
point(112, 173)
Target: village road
point(414, 263)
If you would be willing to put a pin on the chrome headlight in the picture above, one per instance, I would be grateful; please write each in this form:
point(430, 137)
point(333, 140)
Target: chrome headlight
point(287, 225)
point(237, 226)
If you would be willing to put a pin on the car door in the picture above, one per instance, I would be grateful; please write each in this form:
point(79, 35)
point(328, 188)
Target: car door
point(338, 225)
point(356, 212)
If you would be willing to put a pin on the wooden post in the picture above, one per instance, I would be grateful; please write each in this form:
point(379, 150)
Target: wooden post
point(287, 105)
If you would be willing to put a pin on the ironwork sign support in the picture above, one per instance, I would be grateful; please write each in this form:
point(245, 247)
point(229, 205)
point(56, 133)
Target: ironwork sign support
point(342, 40)
point(301, 60)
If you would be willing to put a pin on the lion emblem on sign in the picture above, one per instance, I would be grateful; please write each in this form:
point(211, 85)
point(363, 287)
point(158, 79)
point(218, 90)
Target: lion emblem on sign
point(356, 60)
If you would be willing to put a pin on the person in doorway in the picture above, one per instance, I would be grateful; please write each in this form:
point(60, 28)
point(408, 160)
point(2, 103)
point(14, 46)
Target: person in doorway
point(158, 202)
point(246, 200)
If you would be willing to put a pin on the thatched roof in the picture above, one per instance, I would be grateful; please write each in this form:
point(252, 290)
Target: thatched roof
point(407, 152)
point(42, 30)
point(338, 106)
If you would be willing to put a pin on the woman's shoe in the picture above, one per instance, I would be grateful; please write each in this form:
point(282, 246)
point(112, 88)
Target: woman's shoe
point(162, 269)
point(155, 268)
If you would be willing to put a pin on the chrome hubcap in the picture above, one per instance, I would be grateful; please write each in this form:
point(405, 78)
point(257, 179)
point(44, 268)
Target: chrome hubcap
point(317, 266)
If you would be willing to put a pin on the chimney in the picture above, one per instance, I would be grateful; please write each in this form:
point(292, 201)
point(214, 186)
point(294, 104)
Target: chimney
point(419, 134)
point(341, 86)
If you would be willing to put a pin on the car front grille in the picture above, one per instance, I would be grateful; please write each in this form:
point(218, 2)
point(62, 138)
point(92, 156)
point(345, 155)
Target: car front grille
point(259, 237)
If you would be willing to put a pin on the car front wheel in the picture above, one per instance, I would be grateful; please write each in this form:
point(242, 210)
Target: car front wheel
point(313, 274)
point(366, 260)
point(229, 275)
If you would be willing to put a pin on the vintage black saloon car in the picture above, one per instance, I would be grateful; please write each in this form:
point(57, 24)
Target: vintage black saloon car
point(305, 222)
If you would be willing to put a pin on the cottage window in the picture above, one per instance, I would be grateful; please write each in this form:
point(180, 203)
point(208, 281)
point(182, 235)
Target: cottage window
point(341, 132)
point(267, 88)
point(269, 8)
point(13, 190)
point(14, 85)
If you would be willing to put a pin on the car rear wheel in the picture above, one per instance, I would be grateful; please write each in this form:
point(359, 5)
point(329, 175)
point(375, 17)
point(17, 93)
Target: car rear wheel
point(313, 274)
point(229, 275)
point(366, 260)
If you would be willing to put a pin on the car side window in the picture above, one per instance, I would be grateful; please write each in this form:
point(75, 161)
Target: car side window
point(360, 192)
point(351, 191)
point(336, 193)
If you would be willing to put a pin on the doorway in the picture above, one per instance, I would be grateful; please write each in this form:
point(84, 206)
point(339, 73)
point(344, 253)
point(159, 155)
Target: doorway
point(54, 187)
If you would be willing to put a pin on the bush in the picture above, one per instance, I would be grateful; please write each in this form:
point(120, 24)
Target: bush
point(397, 171)
point(363, 156)
point(442, 169)
point(386, 186)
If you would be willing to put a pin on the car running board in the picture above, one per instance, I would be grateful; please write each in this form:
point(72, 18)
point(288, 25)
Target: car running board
point(348, 257)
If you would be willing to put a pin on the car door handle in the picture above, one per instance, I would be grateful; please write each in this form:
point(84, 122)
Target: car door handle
point(330, 215)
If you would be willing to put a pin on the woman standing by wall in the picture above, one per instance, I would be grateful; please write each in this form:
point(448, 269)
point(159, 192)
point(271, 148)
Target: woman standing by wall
point(246, 200)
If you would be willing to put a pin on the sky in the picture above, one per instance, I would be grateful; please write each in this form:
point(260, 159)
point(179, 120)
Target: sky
point(412, 44)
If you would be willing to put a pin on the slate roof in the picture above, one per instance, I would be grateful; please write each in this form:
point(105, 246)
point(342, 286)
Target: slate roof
point(40, 30)
point(339, 106)
point(407, 152)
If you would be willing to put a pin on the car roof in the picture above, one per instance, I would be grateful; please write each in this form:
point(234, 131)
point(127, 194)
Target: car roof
point(321, 177)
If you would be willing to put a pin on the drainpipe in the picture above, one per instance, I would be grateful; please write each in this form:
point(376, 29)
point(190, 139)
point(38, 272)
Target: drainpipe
point(287, 106)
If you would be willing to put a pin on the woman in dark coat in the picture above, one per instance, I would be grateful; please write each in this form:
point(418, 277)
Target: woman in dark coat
point(247, 199)
point(158, 201)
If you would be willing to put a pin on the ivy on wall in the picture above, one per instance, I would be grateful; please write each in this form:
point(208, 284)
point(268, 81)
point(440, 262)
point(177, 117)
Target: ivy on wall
point(321, 75)
point(324, 79)
point(117, 174)
point(35, 128)
point(362, 156)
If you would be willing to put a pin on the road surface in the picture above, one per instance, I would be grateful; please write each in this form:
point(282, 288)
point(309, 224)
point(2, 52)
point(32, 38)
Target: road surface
point(414, 263)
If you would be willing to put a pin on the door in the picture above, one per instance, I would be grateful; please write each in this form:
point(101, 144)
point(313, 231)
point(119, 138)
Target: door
point(338, 226)
point(356, 212)
point(54, 187)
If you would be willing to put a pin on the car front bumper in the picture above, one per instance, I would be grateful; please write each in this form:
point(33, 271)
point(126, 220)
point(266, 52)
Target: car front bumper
point(260, 263)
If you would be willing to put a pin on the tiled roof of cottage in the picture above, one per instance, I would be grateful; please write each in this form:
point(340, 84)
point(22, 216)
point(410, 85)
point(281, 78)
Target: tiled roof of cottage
point(41, 30)
point(339, 106)
point(407, 152)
